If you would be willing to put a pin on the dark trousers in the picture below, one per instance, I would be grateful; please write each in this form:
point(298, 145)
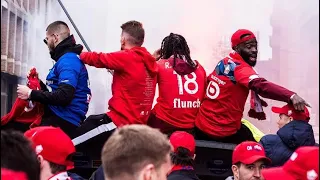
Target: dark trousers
point(51, 119)
point(92, 134)
point(165, 127)
point(243, 134)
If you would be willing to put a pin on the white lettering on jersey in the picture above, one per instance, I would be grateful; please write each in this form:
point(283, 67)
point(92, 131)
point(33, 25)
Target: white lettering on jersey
point(188, 81)
point(218, 80)
point(167, 65)
point(178, 103)
point(213, 90)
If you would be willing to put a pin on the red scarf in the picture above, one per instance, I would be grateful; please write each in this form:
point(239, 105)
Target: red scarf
point(23, 111)
point(256, 103)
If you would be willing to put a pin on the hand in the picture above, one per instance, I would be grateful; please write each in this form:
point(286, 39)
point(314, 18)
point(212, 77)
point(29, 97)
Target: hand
point(23, 92)
point(299, 103)
point(156, 54)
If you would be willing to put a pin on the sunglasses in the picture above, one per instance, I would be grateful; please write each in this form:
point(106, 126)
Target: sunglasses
point(45, 40)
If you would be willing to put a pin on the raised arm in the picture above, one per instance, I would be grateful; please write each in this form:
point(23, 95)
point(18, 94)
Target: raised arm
point(114, 60)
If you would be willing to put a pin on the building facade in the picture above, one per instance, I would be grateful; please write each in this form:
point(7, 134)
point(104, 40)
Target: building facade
point(23, 25)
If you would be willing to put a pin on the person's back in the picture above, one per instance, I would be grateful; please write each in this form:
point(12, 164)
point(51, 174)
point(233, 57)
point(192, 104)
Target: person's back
point(133, 87)
point(134, 78)
point(77, 109)
point(182, 157)
point(223, 104)
point(220, 114)
point(181, 83)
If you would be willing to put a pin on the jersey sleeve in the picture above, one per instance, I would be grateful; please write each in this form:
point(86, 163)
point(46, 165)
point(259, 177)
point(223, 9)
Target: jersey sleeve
point(245, 74)
point(114, 60)
point(68, 72)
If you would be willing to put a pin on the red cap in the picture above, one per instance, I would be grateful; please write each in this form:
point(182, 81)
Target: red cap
point(303, 165)
point(53, 144)
point(249, 152)
point(290, 111)
point(183, 139)
point(236, 37)
point(7, 174)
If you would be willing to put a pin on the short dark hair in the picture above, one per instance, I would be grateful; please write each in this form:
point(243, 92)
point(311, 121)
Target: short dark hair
point(55, 25)
point(59, 27)
point(135, 30)
point(182, 157)
point(17, 154)
point(131, 147)
point(56, 168)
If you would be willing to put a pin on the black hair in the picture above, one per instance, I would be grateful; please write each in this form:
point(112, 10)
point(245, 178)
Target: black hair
point(182, 157)
point(176, 45)
point(57, 168)
point(17, 154)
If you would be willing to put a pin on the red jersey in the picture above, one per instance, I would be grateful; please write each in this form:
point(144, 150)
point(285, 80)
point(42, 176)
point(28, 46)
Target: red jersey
point(222, 109)
point(134, 83)
point(181, 90)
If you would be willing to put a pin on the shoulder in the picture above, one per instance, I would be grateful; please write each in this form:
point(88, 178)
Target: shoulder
point(270, 139)
point(199, 66)
point(70, 61)
point(163, 64)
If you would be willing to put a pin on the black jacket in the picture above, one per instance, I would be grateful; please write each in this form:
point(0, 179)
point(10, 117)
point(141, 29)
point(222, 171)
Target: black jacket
point(183, 175)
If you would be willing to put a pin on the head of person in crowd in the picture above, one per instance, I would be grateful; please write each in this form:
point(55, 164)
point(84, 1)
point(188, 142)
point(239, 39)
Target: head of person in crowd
point(184, 146)
point(287, 114)
point(18, 156)
point(248, 159)
point(245, 44)
point(176, 46)
point(132, 35)
point(7, 174)
point(136, 152)
point(303, 165)
point(54, 149)
point(56, 33)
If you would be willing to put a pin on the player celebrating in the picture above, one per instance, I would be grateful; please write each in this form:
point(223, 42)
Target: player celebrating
point(181, 82)
point(220, 114)
point(133, 86)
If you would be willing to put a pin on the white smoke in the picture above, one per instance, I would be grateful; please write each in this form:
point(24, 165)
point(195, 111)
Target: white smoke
point(204, 24)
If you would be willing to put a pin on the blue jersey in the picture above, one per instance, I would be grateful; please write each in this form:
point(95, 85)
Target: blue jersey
point(70, 70)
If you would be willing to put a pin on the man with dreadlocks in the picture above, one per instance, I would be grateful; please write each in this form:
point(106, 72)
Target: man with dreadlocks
point(220, 114)
point(181, 83)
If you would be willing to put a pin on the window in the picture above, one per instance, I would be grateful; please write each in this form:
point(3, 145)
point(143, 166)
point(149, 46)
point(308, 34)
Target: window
point(4, 37)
